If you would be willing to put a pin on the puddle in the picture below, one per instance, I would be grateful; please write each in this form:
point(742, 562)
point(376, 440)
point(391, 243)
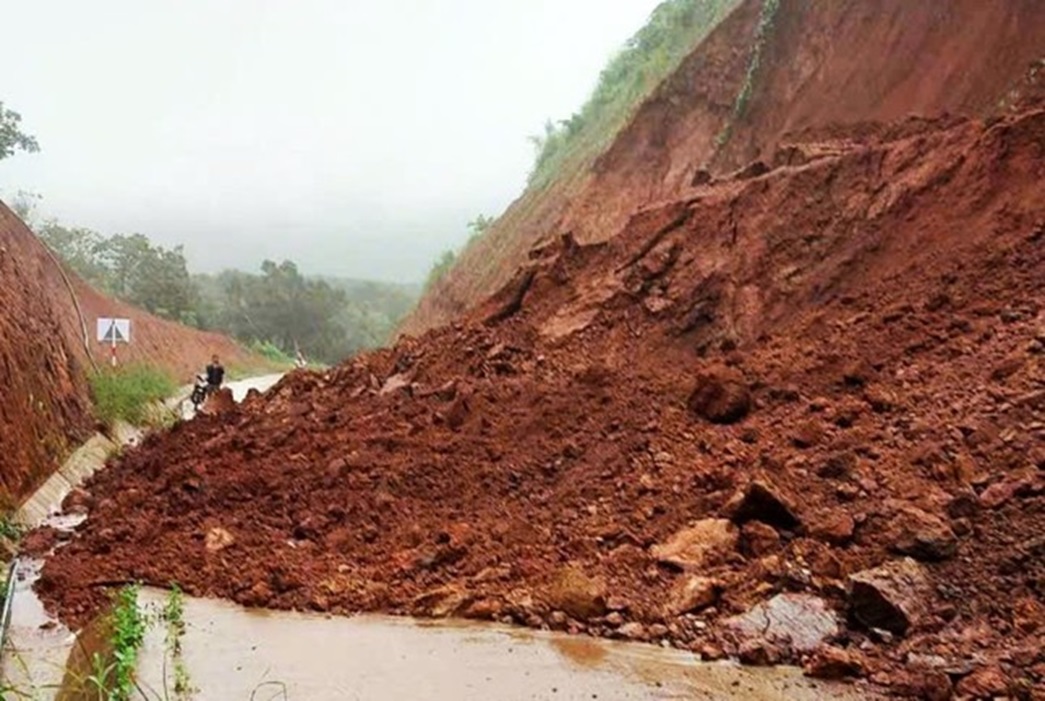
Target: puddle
point(236, 653)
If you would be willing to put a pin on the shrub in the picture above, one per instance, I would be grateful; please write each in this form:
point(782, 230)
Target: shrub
point(125, 393)
point(270, 351)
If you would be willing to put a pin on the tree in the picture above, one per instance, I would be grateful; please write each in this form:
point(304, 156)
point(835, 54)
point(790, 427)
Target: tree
point(12, 138)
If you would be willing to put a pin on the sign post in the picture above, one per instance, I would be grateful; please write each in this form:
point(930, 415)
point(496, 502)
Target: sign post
point(114, 331)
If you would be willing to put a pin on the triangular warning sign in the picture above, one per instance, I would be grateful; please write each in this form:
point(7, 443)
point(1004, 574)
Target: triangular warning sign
point(113, 334)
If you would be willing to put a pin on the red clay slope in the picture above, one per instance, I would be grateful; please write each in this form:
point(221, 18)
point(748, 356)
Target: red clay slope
point(823, 64)
point(871, 321)
point(45, 407)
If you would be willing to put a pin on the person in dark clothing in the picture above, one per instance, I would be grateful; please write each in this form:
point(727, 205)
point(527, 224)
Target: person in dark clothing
point(215, 375)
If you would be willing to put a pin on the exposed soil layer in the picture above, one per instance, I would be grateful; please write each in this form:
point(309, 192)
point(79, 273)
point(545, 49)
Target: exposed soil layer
point(770, 386)
point(819, 64)
point(44, 358)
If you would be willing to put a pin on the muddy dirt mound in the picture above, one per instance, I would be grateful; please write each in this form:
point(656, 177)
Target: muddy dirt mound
point(47, 341)
point(795, 416)
point(760, 76)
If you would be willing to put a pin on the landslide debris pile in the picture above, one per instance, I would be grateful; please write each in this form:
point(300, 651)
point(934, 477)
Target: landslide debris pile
point(768, 70)
point(794, 415)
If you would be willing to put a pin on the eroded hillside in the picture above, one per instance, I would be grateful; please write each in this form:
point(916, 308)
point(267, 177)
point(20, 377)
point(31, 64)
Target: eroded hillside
point(769, 70)
point(793, 415)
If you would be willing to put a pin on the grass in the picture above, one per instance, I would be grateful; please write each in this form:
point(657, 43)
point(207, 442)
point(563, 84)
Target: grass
point(125, 393)
point(269, 351)
point(174, 617)
point(128, 626)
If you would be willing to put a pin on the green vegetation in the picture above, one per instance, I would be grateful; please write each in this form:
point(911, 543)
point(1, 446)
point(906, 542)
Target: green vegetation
point(10, 530)
point(279, 311)
point(125, 393)
point(766, 23)
point(12, 138)
point(174, 617)
point(674, 28)
point(113, 679)
point(129, 267)
point(477, 229)
point(269, 351)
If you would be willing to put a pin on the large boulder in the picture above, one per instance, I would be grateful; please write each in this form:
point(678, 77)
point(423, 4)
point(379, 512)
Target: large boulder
point(720, 395)
point(765, 502)
point(804, 621)
point(922, 535)
point(576, 594)
point(893, 597)
point(699, 546)
point(691, 593)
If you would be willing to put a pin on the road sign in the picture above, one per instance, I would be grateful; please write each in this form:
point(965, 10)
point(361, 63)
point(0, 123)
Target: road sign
point(114, 330)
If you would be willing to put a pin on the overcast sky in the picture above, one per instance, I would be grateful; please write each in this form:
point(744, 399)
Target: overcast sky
point(356, 137)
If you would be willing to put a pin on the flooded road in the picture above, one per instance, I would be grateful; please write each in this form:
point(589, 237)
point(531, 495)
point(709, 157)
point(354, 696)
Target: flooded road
point(235, 653)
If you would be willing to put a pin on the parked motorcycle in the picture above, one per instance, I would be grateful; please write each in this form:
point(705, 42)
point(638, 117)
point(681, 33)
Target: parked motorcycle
point(199, 392)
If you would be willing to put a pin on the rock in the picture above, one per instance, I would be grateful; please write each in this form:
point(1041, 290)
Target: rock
point(691, 594)
point(931, 686)
point(442, 602)
point(761, 653)
point(458, 412)
point(808, 434)
point(1000, 493)
point(804, 620)
point(720, 395)
point(701, 176)
point(258, 596)
point(658, 630)
point(833, 663)
point(759, 539)
point(218, 539)
point(763, 501)
point(893, 597)
point(577, 594)
point(922, 535)
point(78, 501)
point(838, 466)
point(633, 631)
point(221, 402)
point(963, 505)
point(984, 683)
point(485, 610)
point(836, 528)
point(1007, 368)
point(395, 383)
point(702, 544)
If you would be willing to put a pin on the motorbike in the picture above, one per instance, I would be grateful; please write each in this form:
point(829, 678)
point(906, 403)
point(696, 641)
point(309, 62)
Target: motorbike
point(199, 392)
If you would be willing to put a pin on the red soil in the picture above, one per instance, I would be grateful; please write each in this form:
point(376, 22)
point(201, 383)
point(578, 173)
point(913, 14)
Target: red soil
point(879, 306)
point(824, 64)
point(44, 403)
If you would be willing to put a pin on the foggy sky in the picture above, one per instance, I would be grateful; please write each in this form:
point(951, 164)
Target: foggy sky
point(355, 137)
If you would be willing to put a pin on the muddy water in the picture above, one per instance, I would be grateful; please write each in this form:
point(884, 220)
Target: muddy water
point(236, 653)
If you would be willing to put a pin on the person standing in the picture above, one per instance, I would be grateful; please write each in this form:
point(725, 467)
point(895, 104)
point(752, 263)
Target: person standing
point(215, 375)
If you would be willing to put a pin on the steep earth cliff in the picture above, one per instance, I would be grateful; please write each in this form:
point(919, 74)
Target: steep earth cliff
point(47, 345)
point(771, 69)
